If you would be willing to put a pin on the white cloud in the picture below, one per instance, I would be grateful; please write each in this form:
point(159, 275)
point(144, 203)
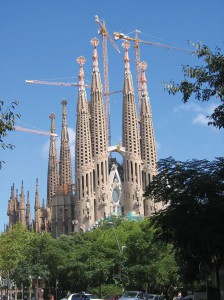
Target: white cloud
point(205, 108)
point(45, 149)
point(72, 138)
point(191, 107)
point(199, 111)
point(200, 119)
point(158, 146)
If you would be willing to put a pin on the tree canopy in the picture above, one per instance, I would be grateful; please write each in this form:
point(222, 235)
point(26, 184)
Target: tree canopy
point(90, 261)
point(193, 218)
point(7, 122)
point(204, 82)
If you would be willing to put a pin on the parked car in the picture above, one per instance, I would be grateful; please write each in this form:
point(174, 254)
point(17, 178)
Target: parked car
point(82, 296)
point(111, 297)
point(131, 295)
point(154, 297)
point(196, 296)
point(74, 296)
point(91, 297)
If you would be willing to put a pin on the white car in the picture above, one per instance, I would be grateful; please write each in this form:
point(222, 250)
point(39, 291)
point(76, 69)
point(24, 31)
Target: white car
point(82, 296)
point(196, 296)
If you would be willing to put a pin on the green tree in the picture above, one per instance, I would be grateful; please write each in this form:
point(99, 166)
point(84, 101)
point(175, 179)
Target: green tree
point(12, 249)
point(12, 254)
point(26, 256)
point(87, 261)
point(205, 82)
point(150, 264)
point(7, 122)
point(193, 218)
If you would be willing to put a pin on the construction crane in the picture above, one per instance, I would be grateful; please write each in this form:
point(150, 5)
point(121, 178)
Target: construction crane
point(35, 131)
point(105, 36)
point(60, 83)
point(54, 83)
point(138, 41)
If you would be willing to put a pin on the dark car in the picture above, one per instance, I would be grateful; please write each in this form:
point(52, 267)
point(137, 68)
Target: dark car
point(154, 297)
point(111, 297)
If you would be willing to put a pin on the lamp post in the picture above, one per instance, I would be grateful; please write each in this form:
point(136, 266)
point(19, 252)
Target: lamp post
point(30, 286)
point(116, 238)
point(56, 290)
point(36, 292)
point(120, 252)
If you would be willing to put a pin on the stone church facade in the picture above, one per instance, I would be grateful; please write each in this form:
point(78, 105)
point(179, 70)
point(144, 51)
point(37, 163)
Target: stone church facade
point(98, 191)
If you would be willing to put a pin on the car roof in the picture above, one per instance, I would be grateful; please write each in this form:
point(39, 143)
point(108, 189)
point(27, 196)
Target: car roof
point(132, 292)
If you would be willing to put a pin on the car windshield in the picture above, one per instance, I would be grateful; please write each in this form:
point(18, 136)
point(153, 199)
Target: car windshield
point(93, 297)
point(130, 295)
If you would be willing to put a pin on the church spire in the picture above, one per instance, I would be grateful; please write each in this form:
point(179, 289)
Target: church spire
point(22, 207)
point(130, 137)
point(128, 81)
point(13, 191)
point(148, 145)
point(37, 199)
point(83, 153)
point(99, 139)
point(53, 175)
point(28, 216)
point(130, 120)
point(65, 165)
point(13, 207)
point(96, 81)
point(37, 208)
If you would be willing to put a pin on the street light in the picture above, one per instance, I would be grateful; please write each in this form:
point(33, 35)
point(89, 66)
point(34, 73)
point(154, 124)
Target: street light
point(56, 288)
point(30, 286)
point(115, 234)
point(120, 253)
point(36, 292)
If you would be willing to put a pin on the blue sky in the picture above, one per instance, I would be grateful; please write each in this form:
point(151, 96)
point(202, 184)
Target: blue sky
point(42, 40)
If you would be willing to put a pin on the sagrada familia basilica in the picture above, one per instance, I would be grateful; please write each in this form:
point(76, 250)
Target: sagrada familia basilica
point(99, 191)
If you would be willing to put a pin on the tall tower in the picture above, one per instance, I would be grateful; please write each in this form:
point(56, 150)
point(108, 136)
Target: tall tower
point(13, 207)
point(132, 164)
point(22, 218)
point(99, 141)
point(53, 175)
point(37, 225)
point(98, 191)
point(84, 212)
point(148, 145)
point(28, 216)
point(65, 164)
point(61, 210)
